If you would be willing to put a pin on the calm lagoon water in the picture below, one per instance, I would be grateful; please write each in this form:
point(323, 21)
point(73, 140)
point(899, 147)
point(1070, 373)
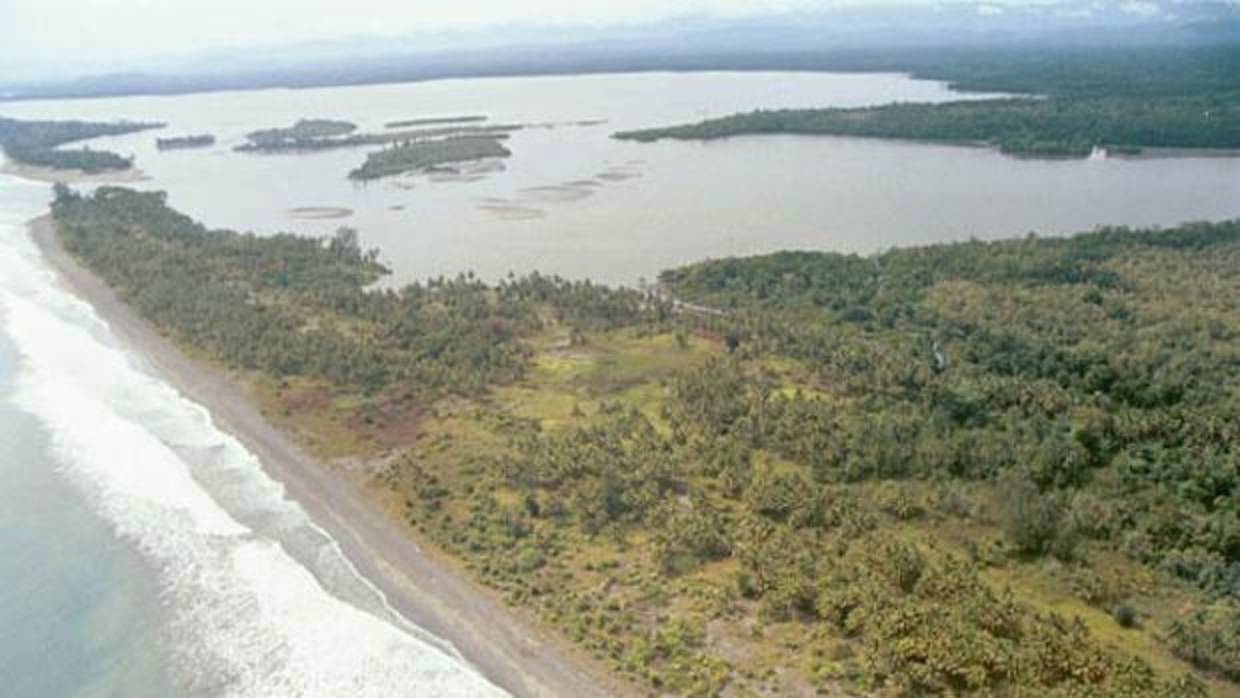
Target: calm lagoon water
point(575, 202)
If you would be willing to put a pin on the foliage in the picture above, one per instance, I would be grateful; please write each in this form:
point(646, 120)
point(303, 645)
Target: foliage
point(204, 140)
point(306, 134)
point(1209, 637)
point(1066, 357)
point(37, 143)
point(1032, 520)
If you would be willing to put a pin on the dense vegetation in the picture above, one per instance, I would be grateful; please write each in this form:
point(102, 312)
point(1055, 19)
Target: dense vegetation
point(407, 151)
point(204, 140)
point(1121, 100)
point(1103, 364)
point(992, 469)
point(37, 143)
point(410, 156)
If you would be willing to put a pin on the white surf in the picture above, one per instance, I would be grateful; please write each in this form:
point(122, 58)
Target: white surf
point(258, 601)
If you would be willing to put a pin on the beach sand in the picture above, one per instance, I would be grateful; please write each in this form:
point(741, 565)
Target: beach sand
point(505, 645)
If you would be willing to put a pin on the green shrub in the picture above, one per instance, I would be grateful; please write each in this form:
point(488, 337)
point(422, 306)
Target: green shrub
point(1030, 518)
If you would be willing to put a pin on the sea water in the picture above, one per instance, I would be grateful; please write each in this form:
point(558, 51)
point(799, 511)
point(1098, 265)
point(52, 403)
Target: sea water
point(144, 552)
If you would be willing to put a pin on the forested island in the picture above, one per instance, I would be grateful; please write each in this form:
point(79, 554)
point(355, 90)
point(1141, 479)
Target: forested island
point(1078, 100)
point(37, 144)
point(205, 140)
point(991, 469)
point(306, 134)
point(411, 156)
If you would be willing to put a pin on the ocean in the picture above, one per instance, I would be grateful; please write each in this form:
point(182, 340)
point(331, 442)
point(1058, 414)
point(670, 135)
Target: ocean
point(143, 551)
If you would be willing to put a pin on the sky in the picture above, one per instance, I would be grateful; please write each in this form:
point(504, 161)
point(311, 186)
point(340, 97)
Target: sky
point(77, 31)
point(44, 37)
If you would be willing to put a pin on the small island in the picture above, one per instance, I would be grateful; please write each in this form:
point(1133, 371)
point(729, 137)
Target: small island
point(205, 140)
point(306, 134)
point(411, 156)
point(436, 121)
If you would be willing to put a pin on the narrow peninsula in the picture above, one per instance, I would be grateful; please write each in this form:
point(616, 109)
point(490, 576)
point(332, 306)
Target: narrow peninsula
point(1169, 98)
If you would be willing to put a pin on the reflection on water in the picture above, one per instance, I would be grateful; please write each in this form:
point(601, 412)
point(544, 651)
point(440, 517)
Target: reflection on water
point(572, 201)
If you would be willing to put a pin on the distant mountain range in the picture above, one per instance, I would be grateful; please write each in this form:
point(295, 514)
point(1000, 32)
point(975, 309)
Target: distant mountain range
point(843, 38)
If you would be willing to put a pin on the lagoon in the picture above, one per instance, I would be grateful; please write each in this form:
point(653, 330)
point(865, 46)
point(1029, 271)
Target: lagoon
point(574, 202)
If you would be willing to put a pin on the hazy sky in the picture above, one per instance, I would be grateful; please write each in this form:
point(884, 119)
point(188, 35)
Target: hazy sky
point(44, 33)
point(44, 37)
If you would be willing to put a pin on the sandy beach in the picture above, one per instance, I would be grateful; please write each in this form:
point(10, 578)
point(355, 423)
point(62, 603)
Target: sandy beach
point(504, 645)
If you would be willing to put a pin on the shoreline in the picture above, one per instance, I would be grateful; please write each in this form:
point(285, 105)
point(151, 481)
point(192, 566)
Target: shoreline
point(51, 175)
point(504, 645)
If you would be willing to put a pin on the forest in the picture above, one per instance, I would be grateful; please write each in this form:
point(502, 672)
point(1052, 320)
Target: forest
point(37, 144)
point(984, 468)
point(1074, 101)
